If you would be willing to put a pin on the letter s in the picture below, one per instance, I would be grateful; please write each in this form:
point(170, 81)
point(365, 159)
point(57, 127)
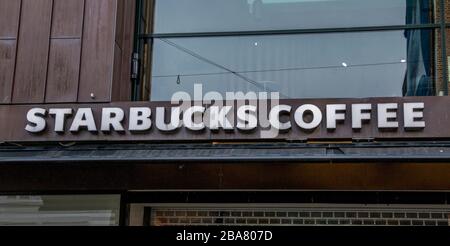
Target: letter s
point(36, 117)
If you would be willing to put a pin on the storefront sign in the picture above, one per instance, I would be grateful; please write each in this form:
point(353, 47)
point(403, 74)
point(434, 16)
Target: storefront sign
point(215, 118)
point(339, 119)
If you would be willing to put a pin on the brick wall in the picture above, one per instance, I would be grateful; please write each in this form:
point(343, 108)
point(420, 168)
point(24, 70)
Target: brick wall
point(438, 42)
point(343, 216)
point(447, 20)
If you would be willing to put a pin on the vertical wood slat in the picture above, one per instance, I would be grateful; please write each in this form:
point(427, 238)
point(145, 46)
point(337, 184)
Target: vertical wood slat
point(67, 18)
point(7, 62)
point(65, 51)
point(97, 61)
point(121, 90)
point(9, 18)
point(32, 51)
point(120, 21)
point(63, 70)
point(9, 27)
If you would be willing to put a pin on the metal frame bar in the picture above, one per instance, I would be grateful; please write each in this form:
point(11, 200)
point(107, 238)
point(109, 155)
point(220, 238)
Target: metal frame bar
point(289, 31)
point(122, 154)
point(136, 49)
point(123, 209)
point(287, 197)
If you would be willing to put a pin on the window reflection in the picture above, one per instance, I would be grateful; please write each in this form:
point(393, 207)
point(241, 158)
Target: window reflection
point(77, 210)
point(331, 65)
point(418, 79)
point(176, 16)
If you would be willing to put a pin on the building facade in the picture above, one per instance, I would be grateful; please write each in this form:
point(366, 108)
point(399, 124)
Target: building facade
point(224, 112)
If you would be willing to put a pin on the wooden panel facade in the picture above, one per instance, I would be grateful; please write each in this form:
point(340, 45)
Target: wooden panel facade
point(7, 63)
point(32, 51)
point(65, 51)
point(62, 51)
point(9, 27)
point(67, 18)
point(97, 59)
point(9, 18)
point(63, 70)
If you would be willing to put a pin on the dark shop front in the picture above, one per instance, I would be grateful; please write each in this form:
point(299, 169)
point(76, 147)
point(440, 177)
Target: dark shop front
point(224, 112)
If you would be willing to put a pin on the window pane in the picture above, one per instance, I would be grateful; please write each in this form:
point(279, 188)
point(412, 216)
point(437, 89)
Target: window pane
point(87, 210)
point(332, 65)
point(179, 16)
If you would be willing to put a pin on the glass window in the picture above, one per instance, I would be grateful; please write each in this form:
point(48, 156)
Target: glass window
point(184, 16)
point(81, 210)
point(328, 65)
point(384, 56)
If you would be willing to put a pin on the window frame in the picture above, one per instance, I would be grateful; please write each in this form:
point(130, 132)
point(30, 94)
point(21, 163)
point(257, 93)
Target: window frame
point(147, 38)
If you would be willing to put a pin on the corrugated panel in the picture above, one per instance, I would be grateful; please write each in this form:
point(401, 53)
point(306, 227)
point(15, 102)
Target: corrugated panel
point(226, 153)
